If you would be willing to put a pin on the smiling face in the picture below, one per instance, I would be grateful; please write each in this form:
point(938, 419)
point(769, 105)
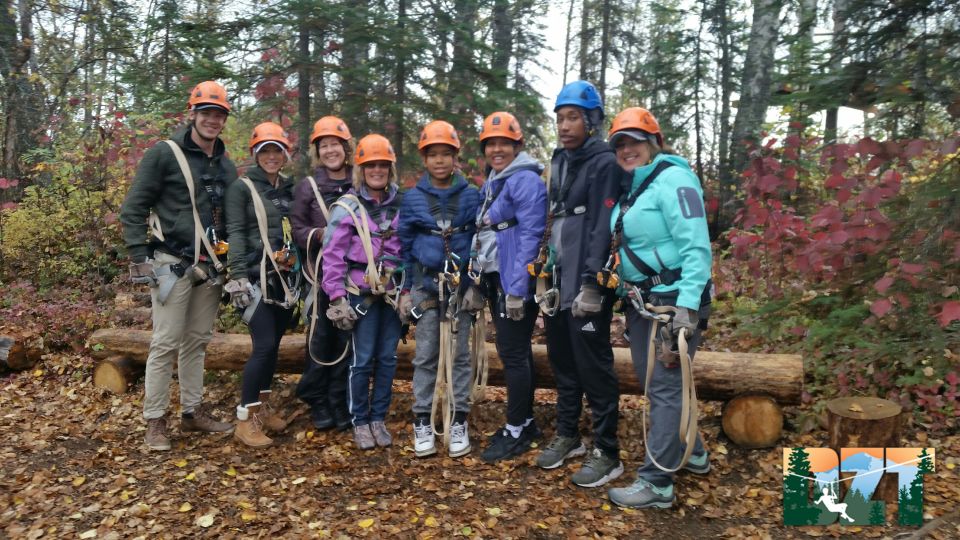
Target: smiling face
point(331, 153)
point(376, 175)
point(571, 127)
point(208, 123)
point(632, 153)
point(271, 159)
point(500, 152)
point(439, 160)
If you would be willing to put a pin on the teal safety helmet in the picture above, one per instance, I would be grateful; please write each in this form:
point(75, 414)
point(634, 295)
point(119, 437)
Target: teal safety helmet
point(580, 94)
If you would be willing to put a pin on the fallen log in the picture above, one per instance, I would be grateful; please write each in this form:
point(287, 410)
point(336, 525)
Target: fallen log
point(17, 354)
point(719, 375)
point(117, 373)
point(753, 420)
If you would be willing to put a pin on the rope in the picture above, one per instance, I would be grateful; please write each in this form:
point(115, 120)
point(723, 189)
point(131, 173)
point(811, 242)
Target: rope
point(478, 357)
point(444, 403)
point(290, 295)
point(314, 282)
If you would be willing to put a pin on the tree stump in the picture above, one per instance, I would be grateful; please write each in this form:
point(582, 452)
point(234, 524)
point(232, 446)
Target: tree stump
point(16, 355)
point(866, 422)
point(753, 420)
point(117, 373)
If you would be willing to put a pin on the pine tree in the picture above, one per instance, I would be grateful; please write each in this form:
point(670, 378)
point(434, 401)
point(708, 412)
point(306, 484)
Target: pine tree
point(797, 509)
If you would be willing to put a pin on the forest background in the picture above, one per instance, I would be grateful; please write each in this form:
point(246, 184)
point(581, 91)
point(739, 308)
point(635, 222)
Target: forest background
point(843, 246)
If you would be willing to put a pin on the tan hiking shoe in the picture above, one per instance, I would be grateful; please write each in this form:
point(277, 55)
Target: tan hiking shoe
point(272, 421)
point(200, 420)
point(250, 428)
point(156, 437)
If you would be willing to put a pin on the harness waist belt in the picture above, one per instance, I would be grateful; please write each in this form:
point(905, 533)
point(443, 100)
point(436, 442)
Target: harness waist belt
point(453, 230)
point(667, 277)
point(504, 225)
point(575, 211)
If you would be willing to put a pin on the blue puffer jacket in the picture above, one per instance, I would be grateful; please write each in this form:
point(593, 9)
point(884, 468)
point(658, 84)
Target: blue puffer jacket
point(420, 246)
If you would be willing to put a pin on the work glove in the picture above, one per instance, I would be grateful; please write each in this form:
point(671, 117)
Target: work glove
point(684, 318)
point(240, 291)
point(514, 306)
point(142, 272)
point(404, 306)
point(472, 301)
point(341, 314)
point(588, 301)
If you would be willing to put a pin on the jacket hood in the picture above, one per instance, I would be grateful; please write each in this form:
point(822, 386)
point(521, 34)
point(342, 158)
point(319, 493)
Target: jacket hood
point(591, 147)
point(182, 137)
point(391, 194)
point(640, 173)
point(523, 162)
point(325, 183)
point(459, 183)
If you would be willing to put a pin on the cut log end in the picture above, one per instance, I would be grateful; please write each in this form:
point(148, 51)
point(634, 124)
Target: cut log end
point(116, 374)
point(753, 420)
point(14, 355)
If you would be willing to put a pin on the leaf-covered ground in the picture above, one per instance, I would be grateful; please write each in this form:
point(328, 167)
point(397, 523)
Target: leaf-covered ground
point(74, 466)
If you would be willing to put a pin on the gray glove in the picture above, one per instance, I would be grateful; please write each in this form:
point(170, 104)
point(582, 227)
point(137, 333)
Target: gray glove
point(588, 302)
point(514, 307)
point(341, 314)
point(240, 291)
point(685, 318)
point(472, 301)
point(403, 308)
point(142, 272)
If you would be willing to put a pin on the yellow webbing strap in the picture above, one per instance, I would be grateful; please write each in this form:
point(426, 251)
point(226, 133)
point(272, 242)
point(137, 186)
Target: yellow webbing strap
point(198, 235)
point(266, 253)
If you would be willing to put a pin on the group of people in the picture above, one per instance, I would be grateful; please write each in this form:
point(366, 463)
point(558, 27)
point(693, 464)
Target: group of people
point(618, 222)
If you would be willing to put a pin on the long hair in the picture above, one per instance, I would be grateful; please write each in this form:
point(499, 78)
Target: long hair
point(358, 178)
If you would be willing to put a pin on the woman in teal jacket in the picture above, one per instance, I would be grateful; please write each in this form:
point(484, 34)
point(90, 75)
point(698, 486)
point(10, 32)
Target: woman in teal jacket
point(662, 231)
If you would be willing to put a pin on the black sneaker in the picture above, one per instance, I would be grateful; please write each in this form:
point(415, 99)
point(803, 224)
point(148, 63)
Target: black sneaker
point(320, 416)
point(505, 446)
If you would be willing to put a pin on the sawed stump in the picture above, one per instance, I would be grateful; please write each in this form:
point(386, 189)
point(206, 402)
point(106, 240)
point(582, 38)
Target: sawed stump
point(865, 422)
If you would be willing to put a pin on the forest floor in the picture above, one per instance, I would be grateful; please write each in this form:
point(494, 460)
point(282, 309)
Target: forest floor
point(74, 465)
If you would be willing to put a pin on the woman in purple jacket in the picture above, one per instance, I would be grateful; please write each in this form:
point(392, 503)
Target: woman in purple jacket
point(510, 224)
point(361, 254)
point(323, 385)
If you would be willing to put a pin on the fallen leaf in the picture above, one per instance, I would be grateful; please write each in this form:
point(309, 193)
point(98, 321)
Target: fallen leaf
point(431, 522)
point(230, 471)
point(248, 515)
point(78, 481)
point(493, 511)
point(300, 480)
point(605, 507)
point(191, 476)
point(92, 533)
point(186, 507)
point(205, 520)
point(181, 463)
point(466, 531)
point(365, 523)
point(855, 408)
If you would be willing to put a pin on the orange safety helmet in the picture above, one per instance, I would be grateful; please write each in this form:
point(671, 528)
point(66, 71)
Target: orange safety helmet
point(438, 132)
point(330, 126)
point(269, 132)
point(635, 118)
point(208, 94)
point(374, 147)
point(501, 124)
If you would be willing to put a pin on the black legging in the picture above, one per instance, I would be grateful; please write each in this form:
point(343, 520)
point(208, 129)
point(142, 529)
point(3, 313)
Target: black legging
point(267, 326)
point(514, 347)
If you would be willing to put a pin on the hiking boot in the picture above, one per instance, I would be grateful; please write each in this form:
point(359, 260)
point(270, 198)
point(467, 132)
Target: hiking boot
point(363, 437)
point(503, 445)
point(559, 449)
point(597, 470)
point(156, 437)
point(200, 420)
point(250, 428)
point(268, 415)
point(320, 416)
point(698, 464)
point(642, 494)
point(424, 440)
point(459, 439)
point(380, 434)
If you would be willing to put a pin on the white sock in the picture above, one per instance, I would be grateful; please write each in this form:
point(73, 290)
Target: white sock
point(527, 421)
point(242, 413)
point(514, 431)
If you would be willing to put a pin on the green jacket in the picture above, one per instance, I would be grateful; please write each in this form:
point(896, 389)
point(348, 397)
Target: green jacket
point(667, 228)
point(159, 186)
point(246, 247)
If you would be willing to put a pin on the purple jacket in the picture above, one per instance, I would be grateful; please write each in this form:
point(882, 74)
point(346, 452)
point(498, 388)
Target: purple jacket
point(523, 195)
point(306, 214)
point(343, 250)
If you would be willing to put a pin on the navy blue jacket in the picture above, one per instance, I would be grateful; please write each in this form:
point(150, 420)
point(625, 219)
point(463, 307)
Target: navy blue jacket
point(422, 248)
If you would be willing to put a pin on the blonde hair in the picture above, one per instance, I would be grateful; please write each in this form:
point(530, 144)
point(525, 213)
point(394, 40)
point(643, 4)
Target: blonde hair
point(358, 178)
point(314, 152)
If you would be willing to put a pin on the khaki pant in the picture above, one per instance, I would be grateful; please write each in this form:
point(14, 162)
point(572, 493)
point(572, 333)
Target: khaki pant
point(182, 327)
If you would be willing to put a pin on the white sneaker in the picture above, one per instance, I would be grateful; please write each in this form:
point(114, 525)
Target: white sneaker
point(459, 439)
point(424, 441)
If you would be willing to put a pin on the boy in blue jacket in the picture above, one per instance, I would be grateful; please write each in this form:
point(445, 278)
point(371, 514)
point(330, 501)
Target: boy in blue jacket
point(436, 227)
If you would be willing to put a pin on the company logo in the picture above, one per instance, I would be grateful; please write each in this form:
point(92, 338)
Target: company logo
point(821, 487)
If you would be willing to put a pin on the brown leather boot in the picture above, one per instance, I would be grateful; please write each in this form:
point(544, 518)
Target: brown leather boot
point(156, 437)
point(272, 421)
point(200, 420)
point(250, 428)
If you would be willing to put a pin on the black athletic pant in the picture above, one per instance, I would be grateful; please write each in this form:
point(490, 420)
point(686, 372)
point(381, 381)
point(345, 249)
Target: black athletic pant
point(582, 360)
point(514, 346)
point(325, 386)
point(267, 326)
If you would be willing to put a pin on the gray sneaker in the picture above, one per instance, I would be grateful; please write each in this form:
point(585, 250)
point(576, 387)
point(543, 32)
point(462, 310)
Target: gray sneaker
point(363, 437)
point(597, 470)
point(642, 494)
point(559, 449)
point(698, 464)
point(156, 437)
point(380, 434)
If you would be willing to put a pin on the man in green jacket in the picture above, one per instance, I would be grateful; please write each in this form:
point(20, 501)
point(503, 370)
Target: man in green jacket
point(174, 235)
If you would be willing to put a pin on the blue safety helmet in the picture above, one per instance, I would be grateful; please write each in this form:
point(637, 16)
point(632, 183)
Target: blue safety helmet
point(580, 94)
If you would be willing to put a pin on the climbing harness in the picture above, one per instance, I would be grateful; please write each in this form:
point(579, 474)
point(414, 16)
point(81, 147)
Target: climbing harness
point(542, 269)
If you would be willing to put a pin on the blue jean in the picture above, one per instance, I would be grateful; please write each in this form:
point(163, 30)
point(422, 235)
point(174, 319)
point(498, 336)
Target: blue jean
point(374, 340)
